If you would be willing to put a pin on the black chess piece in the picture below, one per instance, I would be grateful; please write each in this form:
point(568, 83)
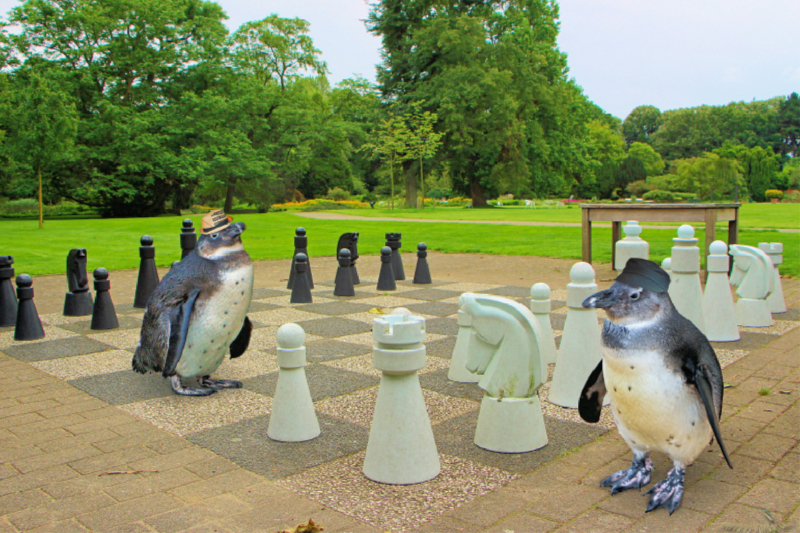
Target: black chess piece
point(393, 242)
point(148, 275)
point(300, 247)
point(104, 316)
point(350, 241)
point(386, 277)
point(422, 275)
point(28, 326)
point(188, 238)
point(8, 298)
point(78, 301)
point(301, 292)
point(344, 279)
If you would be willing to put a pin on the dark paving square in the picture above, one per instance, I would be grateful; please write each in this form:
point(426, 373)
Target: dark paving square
point(324, 382)
point(126, 308)
point(334, 327)
point(556, 304)
point(257, 307)
point(442, 326)
point(456, 437)
point(409, 281)
point(359, 295)
point(441, 347)
point(258, 294)
point(119, 388)
point(433, 308)
point(557, 320)
point(6, 328)
point(83, 327)
point(246, 444)
point(336, 308)
point(510, 291)
point(41, 351)
point(430, 294)
point(792, 313)
point(329, 349)
point(748, 342)
point(437, 381)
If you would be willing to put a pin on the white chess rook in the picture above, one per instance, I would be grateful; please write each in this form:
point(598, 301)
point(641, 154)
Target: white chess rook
point(292, 418)
point(775, 300)
point(720, 314)
point(685, 289)
point(580, 349)
point(401, 449)
point(540, 307)
point(458, 371)
point(754, 280)
point(631, 246)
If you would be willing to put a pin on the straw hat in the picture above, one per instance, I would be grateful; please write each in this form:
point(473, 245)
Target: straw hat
point(215, 221)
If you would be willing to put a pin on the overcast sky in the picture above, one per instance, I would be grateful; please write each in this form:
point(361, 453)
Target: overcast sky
point(624, 53)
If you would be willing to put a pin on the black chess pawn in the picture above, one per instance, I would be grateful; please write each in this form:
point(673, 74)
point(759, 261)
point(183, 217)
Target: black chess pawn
point(104, 316)
point(188, 238)
point(148, 275)
point(393, 242)
point(301, 292)
point(350, 241)
point(422, 275)
point(78, 301)
point(8, 298)
point(386, 277)
point(28, 326)
point(344, 279)
point(300, 247)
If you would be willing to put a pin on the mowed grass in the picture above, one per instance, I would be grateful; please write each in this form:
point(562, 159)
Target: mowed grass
point(779, 216)
point(114, 243)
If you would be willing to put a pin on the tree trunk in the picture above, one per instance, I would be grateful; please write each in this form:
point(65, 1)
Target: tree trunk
point(391, 177)
point(411, 184)
point(478, 194)
point(229, 196)
point(422, 183)
point(39, 173)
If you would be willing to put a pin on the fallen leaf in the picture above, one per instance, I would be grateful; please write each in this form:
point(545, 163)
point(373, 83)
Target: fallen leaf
point(785, 392)
point(305, 527)
point(118, 472)
point(376, 311)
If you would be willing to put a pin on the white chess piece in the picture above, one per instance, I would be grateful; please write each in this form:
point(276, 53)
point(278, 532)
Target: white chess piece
point(754, 280)
point(720, 314)
point(580, 349)
point(631, 246)
point(292, 418)
point(666, 264)
point(401, 449)
point(685, 289)
point(458, 371)
point(540, 307)
point(775, 300)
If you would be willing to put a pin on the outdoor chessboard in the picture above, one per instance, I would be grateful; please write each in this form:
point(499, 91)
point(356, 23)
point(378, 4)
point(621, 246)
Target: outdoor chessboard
point(343, 384)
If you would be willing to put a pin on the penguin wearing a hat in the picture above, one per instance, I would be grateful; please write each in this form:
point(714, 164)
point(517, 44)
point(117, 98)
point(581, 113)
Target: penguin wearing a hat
point(663, 379)
point(199, 311)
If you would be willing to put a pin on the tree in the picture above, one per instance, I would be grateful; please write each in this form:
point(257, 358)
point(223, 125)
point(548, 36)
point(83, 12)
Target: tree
point(42, 126)
point(710, 174)
point(789, 125)
point(390, 142)
point(631, 169)
point(759, 166)
point(653, 164)
point(641, 124)
point(421, 141)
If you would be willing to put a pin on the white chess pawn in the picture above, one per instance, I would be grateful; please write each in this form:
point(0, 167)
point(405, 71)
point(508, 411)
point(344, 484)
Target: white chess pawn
point(753, 278)
point(775, 252)
point(458, 370)
point(292, 418)
point(631, 246)
point(666, 264)
point(685, 289)
point(720, 314)
point(540, 307)
point(401, 449)
point(580, 349)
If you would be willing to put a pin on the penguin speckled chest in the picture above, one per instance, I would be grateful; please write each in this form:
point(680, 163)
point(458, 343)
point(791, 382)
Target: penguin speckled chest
point(663, 379)
point(198, 310)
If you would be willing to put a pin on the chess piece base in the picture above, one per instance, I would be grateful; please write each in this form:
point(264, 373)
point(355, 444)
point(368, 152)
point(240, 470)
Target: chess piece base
point(510, 425)
point(753, 313)
point(78, 304)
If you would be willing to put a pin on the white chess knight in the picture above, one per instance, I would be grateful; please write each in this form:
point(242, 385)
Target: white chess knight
point(720, 313)
point(685, 290)
point(630, 246)
point(504, 351)
point(754, 280)
point(775, 252)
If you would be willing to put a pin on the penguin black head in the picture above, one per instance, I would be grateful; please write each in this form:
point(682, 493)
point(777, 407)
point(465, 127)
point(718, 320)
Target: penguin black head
point(221, 243)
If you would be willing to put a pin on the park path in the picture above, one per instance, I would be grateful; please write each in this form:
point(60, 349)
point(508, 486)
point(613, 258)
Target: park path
point(339, 216)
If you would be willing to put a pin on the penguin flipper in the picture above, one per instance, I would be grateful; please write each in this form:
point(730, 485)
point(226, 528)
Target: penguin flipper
point(590, 402)
point(704, 388)
point(242, 340)
point(179, 320)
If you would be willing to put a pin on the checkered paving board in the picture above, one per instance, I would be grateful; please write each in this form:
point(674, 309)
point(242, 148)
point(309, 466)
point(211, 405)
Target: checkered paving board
point(343, 383)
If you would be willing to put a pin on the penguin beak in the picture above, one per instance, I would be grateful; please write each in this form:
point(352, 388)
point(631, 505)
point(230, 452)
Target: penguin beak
point(603, 299)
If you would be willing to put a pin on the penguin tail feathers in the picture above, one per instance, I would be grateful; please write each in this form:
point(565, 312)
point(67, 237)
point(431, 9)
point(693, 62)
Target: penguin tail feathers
point(144, 361)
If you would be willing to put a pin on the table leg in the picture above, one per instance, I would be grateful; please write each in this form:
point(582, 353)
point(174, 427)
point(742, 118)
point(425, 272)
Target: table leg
point(733, 236)
point(711, 232)
point(616, 230)
point(586, 233)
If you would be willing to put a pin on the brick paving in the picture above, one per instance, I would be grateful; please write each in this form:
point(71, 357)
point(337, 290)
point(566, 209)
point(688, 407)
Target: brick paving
point(70, 461)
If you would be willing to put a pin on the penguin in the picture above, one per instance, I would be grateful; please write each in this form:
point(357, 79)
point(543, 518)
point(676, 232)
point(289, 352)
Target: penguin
point(199, 310)
point(663, 379)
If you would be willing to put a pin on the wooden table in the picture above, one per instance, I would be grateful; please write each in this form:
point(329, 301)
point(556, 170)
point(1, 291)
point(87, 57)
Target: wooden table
point(619, 213)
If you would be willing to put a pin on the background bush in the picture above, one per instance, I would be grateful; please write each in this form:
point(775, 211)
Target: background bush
point(659, 196)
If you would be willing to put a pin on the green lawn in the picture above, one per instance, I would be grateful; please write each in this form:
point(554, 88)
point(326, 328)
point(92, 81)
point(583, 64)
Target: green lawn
point(113, 243)
point(781, 216)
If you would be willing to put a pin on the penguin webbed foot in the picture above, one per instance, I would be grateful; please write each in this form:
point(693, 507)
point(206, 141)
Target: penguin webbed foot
point(635, 477)
point(177, 386)
point(668, 492)
point(217, 384)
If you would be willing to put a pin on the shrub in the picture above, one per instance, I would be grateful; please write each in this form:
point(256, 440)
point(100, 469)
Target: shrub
point(773, 193)
point(338, 194)
point(438, 194)
point(657, 196)
point(638, 188)
point(791, 197)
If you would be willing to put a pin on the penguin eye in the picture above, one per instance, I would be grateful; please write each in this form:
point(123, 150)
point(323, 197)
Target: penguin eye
point(214, 235)
point(634, 296)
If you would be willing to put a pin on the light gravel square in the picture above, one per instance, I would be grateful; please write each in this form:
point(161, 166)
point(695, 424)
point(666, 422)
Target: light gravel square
point(123, 339)
point(51, 333)
point(93, 364)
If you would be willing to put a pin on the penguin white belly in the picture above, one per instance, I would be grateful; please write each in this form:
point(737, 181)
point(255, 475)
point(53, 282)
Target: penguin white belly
point(654, 407)
point(215, 323)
